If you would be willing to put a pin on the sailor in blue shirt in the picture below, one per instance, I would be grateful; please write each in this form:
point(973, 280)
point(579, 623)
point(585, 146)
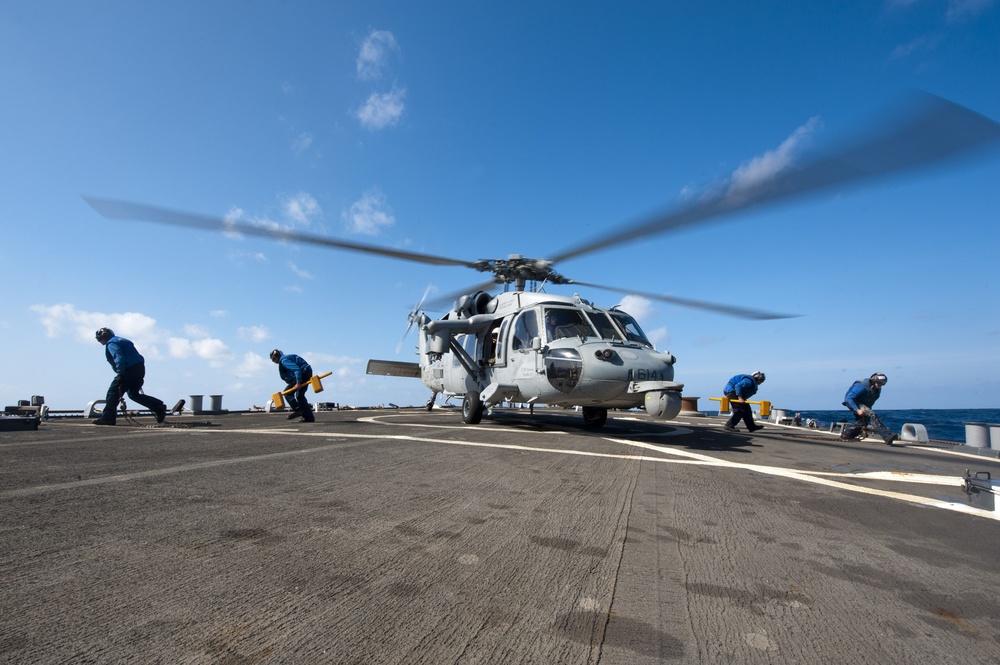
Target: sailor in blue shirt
point(295, 372)
point(860, 399)
point(130, 372)
point(738, 389)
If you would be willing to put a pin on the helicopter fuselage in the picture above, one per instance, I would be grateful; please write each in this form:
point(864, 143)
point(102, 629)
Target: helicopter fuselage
point(536, 348)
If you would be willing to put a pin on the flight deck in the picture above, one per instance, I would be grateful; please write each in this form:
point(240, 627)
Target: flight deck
point(406, 536)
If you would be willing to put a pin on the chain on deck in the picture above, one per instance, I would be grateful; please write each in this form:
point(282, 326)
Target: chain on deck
point(130, 418)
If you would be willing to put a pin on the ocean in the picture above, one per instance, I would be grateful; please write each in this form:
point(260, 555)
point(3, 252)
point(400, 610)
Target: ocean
point(942, 424)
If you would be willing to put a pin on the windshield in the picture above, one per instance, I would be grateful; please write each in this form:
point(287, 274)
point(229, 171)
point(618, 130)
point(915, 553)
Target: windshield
point(604, 326)
point(633, 332)
point(560, 322)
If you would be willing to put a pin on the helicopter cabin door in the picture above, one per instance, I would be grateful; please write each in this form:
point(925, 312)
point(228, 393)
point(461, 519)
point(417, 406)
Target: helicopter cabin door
point(524, 350)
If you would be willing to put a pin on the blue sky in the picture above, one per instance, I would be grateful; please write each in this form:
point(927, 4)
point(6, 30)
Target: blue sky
point(476, 130)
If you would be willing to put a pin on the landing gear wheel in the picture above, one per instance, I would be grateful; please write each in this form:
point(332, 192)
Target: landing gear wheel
point(594, 417)
point(472, 409)
point(430, 403)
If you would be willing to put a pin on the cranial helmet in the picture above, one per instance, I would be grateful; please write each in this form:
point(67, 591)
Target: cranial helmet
point(104, 334)
point(879, 377)
point(759, 377)
point(276, 354)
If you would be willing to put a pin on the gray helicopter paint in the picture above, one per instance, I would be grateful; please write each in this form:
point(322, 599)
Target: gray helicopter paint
point(584, 369)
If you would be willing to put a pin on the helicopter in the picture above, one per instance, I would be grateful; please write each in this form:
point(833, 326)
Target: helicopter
point(527, 346)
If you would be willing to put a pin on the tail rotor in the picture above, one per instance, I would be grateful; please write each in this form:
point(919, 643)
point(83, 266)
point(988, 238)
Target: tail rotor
point(416, 316)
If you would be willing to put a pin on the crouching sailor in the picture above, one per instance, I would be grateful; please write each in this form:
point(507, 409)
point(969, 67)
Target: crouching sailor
point(860, 399)
point(295, 372)
point(737, 390)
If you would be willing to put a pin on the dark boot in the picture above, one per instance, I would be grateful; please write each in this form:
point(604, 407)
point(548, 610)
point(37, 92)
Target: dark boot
point(850, 432)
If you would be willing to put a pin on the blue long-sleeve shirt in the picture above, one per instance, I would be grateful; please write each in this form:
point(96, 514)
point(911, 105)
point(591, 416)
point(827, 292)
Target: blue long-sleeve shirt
point(293, 369)
point(862, 393)
point(121, 354)
point(743, 385)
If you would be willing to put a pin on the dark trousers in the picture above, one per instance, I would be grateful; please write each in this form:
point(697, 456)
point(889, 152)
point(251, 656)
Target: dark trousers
point(129, 382)
point(741, 411)
point(297, 400)
point(866, 421)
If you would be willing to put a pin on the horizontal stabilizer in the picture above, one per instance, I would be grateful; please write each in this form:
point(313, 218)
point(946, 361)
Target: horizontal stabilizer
point(393, 368)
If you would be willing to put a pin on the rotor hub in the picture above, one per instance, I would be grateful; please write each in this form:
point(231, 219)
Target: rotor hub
point(519, 270)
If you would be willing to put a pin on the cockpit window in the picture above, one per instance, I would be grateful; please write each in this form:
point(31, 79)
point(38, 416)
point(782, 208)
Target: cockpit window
point(560, 322)
point(525, 330)
point(633, 332)
point(604, 326)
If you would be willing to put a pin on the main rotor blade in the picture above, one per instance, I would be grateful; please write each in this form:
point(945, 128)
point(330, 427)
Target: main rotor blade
point(729, 310)
point(935, 130)
point(113, 209)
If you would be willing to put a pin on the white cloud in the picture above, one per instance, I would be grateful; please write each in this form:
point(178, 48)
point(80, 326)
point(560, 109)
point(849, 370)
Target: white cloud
point(214, 351)
point(253, 365)
point(956, 10)
point(757, 170)
point(238, 256)
point(194, 330)
point(689, 192)
point(959, 9)
point(658, 336)
point(178, 347)
point(234, 214)
point(382, 109)
point(299, 271)
point(369, 214)
point(640, 308)
point(921, 44)
point(374, 54)
point(218, 313)
point(301, 208)
point(63, 318)
point(321, 362)
point(766, 166)
point(298, 210)
point(302, 142)
point(254, 333)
